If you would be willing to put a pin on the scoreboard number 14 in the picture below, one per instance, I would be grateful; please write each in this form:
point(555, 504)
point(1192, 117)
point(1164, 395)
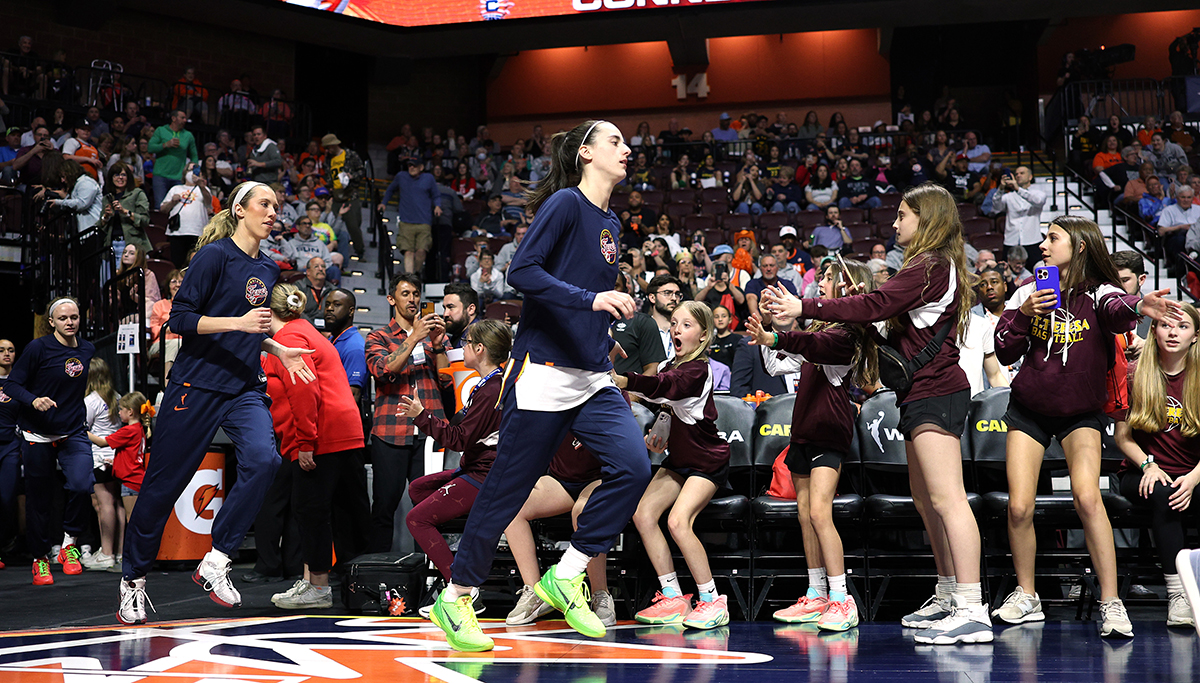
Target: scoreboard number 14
point(697, 85)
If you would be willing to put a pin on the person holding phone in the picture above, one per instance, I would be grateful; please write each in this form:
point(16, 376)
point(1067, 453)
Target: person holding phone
point(1064, 329)
point(1023, 203)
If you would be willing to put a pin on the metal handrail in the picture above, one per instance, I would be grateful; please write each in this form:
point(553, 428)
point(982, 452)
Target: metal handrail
point(1133, 220)
point(1080, 193)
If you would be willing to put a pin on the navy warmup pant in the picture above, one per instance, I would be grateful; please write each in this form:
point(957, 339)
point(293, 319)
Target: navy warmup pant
point(528, 440)
point(10, 488)
point(74, 454)
point(187, 422)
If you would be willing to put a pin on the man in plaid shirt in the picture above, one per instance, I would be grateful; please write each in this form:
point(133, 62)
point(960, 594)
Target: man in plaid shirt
point(404, 359)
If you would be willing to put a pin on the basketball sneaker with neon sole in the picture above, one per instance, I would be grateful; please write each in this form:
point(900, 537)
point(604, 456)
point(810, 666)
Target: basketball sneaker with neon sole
point(41, 573)
point(808, 609)
point(68, 557)
point(841, 615)
point(666, 610)
point(457, 620)
point(571, 597)
point(709, 614)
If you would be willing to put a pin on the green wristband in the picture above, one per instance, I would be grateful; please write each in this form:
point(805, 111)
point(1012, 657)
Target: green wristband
point(775, 343)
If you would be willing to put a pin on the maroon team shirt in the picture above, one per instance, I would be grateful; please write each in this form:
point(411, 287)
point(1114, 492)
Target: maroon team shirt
point(695, 446)
point(922, 289)
point(481, 419)
point(1173, 452)
point(823, 414)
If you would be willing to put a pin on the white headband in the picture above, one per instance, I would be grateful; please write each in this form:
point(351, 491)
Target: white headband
point(58, 302)
point(241, 194)
point(584, 141)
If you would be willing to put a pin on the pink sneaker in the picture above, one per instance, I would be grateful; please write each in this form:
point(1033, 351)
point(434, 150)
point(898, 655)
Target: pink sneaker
point(841, 615)
point(665, 610)
point(806, 610)
point(709, 614)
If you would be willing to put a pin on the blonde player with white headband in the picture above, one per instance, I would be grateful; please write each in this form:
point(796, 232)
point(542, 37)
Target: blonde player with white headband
point(216, 382)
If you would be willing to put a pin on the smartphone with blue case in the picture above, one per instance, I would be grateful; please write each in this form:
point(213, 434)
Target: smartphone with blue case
point(1046, 277)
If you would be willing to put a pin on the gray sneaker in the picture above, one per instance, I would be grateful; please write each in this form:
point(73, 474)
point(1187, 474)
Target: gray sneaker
point(98, 562)
point(299, 587)
point(1179, 611)
point(1020, 607)
point(310, 597)
point(1116, 622)
point(966, 624)
point(602, 605)
point(934, 609)
point(529, 608)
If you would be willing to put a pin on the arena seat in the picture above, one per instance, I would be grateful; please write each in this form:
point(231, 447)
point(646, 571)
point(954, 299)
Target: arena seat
point(967, 211)
point(883, 217)
point(497, 310)
point(807, 220)
point(714, 207)
point(734, 222)
point(161, 269)
point(772, 221)
point(653, 199)
point(460, 249)
point(677, 210)
point(978, 225)
point(693, 223)
point(989, 240)
point(890, 200)
point(687, 196)
point(714, 194)
point(861, 231)
point(853, 216)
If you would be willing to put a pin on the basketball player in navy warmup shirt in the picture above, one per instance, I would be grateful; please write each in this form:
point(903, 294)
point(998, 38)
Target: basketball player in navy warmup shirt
point(216, 381)
point(558, 379)
point(49, 382)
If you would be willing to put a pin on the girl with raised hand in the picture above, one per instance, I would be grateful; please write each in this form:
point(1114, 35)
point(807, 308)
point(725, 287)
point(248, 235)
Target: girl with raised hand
point(216, 382)
point(830, 357)
point(1066, 344)
point(697, 465)
point(930, 296)
point(1161, 443)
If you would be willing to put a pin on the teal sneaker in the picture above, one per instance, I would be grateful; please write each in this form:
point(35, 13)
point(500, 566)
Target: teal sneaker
point(458, 620)
point(572, 599)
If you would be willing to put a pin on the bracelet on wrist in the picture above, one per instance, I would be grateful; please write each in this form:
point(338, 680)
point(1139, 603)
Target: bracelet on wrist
point(775, 343)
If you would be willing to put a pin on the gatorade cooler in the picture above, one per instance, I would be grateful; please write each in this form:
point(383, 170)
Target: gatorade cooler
point(188, 534)
point(465, 379)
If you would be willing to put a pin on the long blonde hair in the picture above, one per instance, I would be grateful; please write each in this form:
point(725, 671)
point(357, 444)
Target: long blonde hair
point(702, 314)
point(1148, 395)
point(941, 231)
point(100, 381)
point(865, 366)
point(224, 223)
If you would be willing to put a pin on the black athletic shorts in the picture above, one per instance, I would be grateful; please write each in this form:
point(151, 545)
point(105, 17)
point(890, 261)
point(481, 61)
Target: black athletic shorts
point(1042, 428)
point(947, 412)
point(720, 477)
point(803, 457)
point(573, 488)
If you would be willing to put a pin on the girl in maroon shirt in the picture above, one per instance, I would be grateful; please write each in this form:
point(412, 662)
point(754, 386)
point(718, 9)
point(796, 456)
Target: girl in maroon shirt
point(1161, 443)
point(1060, 393)
point(932, 290)
point(442, 496)
point(830, 357)
point(696, 466)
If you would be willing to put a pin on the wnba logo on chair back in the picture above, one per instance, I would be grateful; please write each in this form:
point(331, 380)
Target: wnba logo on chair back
point(188, 534)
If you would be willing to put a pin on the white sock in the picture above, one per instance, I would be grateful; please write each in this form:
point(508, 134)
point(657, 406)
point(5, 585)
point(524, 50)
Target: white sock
point(837, 587)
point(321, 589)
point(68, 539)
point(817, 582)
point(216, 557)
point(946, 586)
point(670, 585)
point(453, 591)
point(708, 591)
point(573, 563)
point(971, 593)
point(1174, 584)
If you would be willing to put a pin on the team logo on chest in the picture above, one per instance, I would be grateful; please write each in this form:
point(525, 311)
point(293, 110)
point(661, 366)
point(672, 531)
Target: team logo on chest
point(73, 367)
point(1174, 413)
point(256, 291)
point(608, 246)
point(4, 397)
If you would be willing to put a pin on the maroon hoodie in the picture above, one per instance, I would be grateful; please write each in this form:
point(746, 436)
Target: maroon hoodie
point(823, 414)
point(688, 390)
point(1064, 372)
point(922, 302)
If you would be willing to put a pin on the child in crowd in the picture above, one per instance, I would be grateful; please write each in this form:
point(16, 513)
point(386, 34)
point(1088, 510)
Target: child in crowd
point(101, 405)
point(696, 467)
point(129, 443)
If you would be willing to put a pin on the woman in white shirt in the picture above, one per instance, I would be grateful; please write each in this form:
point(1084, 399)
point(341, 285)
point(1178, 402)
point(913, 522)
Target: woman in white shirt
point(488, 281)
point(101, 406)
point(190, 203)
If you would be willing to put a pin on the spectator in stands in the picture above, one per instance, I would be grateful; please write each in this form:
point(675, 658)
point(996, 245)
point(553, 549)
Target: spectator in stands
point(978, 155)
point(1116, 178)
point(1179, 133)
point(315, 285)
point(641, 141)
point(720, 291)
point(189, 202)
point(786, 270)
point(1109, 154)
point(962, 183)
point(173, 148)
point(664, 229)
point(977, 350)
point(985, 259)
point(1016, 263)
point(1149, 128)
point(463, 183)
point(278, 115)
point(833, 235)
point(513, 198)
point(821, 191)
point(707, 173)
point(492, 221)
point(1166, 156)
point(1154, 201)
point(404, 358)
point(723, 133)
point(487, 280)
point(748, 192)
point(681, 176)
point(339, 311)
point(74, 190)
point(1134, 189)
point(1182, 177)
point(80, 148)
point(279, 249)
point(685, 270)
point(23, 76)
point(418, 205)
point(639, 338)
point(235, 106)
point(1124, 137)
point(128, 154)
point(28, 162)
point(1023, 203)
point(345, 175)
point(505, 256)
point(1174, 223)
point(748, 374)
point(129, 208)
point(265, 161)
point(726, 345)
point(1085, 142)
point(8, 155)
point(189, 95)
point(811, 127)
point(160, 312)
point(664, 294)
point(786, 194)
point(769, 277)
point(460, 308)
point(858, 191)
point(637, 220)
point(797, 255)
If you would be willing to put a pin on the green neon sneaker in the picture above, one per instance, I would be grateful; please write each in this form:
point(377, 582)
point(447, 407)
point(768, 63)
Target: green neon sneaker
point(571, 598)
point(458, 620)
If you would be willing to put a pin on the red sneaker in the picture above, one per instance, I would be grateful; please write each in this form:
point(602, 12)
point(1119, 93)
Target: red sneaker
point(41, 573)
point(68, 557)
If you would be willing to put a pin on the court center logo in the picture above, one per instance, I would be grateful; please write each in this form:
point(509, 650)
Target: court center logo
point(608, 246)
point(73, 367)
point(256, 291)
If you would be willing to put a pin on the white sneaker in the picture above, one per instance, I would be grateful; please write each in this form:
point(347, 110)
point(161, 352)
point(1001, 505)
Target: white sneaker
point(1115, 620)
point(308, 597)
point(966, 624)
point(299, 587)
point(935, 609)
point(1179, 611)
point(1187, 563)
point(529, 608)
point(215, 580)
point(54, 553)
point(605, 610)
point(98, 562)
point(1020, 607)
point(133, 602)
point(426, 610)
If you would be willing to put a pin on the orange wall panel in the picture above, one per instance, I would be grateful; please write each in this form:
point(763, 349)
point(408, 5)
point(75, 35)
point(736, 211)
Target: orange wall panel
point(1151, 32)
